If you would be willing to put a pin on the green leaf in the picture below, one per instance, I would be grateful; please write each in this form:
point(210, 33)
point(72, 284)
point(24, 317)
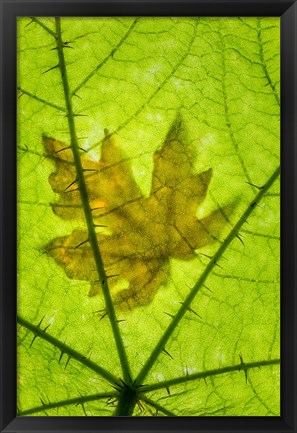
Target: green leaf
point(207, 343)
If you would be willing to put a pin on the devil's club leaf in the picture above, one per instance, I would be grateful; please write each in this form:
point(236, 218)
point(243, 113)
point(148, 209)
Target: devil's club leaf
point(208, 342)
point(145, 232)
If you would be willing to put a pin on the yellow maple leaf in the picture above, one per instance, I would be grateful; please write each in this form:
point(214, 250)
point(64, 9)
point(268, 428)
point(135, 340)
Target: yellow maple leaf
point(145, 232)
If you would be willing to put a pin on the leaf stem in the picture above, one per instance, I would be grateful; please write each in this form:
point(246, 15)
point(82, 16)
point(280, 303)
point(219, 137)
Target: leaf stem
point(43, 101)
point(67, 402)
point(41, 24)
point(157, 406)
point(186, 304)
point(205, 374)
point(127, 401)
point(68, 350)
point(87, 209)
point(110, 55)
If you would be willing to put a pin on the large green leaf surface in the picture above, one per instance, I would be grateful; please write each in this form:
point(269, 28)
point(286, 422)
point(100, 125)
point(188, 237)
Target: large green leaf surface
point(132, 76)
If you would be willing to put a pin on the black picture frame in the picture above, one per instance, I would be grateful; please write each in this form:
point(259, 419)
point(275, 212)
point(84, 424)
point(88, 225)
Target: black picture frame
point(287, 10)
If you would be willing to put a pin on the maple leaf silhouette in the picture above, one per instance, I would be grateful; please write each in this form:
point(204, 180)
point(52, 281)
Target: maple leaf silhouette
point(144, 232)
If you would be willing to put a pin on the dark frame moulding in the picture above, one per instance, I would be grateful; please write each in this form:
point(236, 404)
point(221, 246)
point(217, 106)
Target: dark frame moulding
point(10, 10)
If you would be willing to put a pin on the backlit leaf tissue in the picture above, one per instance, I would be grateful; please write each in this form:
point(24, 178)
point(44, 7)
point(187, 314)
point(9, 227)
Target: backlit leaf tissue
point(148, 216)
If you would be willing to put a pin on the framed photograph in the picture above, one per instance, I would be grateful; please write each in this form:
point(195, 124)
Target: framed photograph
point(148, 216)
